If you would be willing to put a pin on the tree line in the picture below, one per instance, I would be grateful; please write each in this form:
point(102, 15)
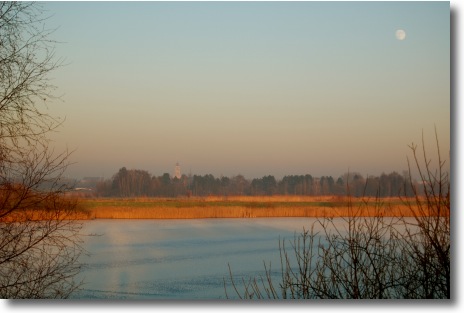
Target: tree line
point(139, 183)
point(376, 257)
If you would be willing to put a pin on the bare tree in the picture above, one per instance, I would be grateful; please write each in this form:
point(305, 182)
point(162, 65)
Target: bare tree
point(371, 257)
point(39, 237)
point(345, 258)
point(429, 235)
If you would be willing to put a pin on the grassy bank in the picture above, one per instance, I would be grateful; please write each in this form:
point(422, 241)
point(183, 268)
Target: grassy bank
point(238, 207)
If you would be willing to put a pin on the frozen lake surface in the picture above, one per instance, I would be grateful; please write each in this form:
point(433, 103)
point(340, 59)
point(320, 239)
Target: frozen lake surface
point(179, 259)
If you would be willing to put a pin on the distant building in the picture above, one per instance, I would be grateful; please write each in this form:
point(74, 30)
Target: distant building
point(177, 171)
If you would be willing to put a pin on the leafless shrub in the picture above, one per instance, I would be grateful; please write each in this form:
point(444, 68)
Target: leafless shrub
point(376, 257)
point(428, 241)
point(39, 238)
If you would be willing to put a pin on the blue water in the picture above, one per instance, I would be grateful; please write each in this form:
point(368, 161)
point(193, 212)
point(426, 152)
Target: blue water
point(179, 259)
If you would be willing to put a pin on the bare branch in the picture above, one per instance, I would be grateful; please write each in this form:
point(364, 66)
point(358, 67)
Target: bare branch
point(39, 236)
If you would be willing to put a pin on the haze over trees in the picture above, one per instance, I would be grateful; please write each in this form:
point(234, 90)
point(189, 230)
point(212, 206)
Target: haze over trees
point(136, 183)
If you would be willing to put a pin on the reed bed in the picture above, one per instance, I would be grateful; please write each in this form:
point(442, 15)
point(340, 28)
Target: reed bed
point(46, 215)
point(239, 207)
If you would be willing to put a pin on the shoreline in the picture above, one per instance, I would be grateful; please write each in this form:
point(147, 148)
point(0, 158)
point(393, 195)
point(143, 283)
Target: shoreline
point(240, 207)
point(230, 207)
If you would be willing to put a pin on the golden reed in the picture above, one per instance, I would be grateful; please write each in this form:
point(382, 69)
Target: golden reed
point(241, 207)
point(223, 207)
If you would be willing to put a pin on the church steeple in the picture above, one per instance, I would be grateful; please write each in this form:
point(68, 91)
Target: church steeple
point(177, 171)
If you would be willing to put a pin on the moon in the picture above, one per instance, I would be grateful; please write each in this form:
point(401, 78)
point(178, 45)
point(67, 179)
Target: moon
point(400, 34)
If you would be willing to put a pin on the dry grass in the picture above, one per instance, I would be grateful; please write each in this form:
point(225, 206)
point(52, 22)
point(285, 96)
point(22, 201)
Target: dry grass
point(44, 215)
point(240, 207)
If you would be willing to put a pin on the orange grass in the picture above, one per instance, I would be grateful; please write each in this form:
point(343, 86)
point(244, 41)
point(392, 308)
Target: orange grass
point(36, 207)
point(44, 215)
point(240, 207)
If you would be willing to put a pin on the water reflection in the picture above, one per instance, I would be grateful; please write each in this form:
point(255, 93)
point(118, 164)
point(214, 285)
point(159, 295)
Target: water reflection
point(178, 259)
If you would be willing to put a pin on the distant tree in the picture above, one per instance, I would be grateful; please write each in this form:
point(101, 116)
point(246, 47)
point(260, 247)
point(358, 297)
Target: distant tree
point(166, 179)
point(331, 184)
point(339, 187)
point(120, 183)
point(270, 185)
point(356, 183)
point(140, 183)
point(372, 187)
point(103, 188)
point(295, 184)
point(239, 185)
point(225, 186)
point(308, 184)
point(180, 186)
point(324, 185)
point(267, 185)
point(205, 185)
point(397, 184)
point(156, 186)
point(164, 186)
point(385, 185)
point(132, 183)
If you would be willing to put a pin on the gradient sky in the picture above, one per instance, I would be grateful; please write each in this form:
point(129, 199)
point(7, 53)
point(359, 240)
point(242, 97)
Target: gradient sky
point(229, 88)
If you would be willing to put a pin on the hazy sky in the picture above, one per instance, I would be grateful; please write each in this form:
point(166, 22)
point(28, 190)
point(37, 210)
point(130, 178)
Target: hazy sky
point(250, 88)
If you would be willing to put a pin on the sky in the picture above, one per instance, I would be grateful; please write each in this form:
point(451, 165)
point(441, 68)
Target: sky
point(250, 88)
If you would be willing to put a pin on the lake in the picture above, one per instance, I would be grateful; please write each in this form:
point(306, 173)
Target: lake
point(179, 259)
